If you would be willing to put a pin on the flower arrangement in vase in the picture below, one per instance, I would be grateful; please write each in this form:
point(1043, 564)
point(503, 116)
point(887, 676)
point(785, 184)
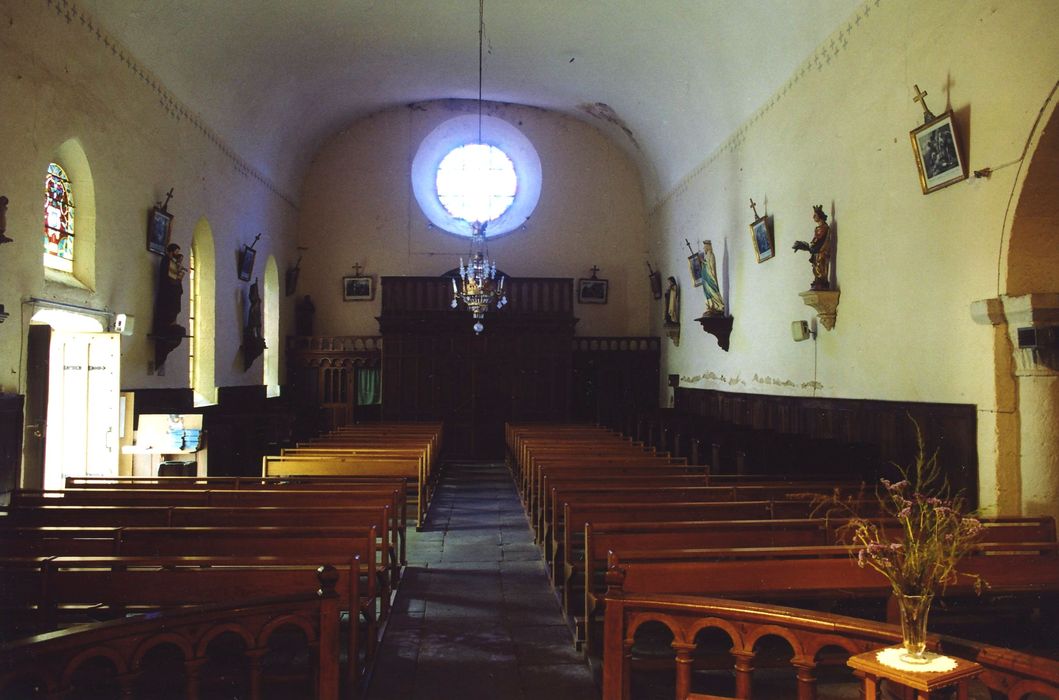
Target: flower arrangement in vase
point(917, 551)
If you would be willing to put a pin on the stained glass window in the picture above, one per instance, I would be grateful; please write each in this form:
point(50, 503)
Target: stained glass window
point(58, 220)
point(476, 182)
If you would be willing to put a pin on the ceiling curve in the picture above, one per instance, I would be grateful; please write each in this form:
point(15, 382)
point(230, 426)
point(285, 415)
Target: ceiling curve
point(669, 80)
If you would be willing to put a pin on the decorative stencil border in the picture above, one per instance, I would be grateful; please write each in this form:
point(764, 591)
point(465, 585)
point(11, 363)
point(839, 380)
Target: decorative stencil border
point(827, 52)
point(176, 110)
point(710, 376)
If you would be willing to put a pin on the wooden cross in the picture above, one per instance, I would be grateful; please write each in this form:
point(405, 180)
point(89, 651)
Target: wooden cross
point(594, 270)
point(688, 244)
point(753, 206)
point(256, 239)
point(921, 98)
point(356, 269)
point(168, 196)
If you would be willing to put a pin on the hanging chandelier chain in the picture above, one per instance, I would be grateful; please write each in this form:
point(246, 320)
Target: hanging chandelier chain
point(477, 286)
point(481, 44)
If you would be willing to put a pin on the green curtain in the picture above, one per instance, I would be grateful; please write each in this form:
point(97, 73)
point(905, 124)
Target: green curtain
point(368, 390)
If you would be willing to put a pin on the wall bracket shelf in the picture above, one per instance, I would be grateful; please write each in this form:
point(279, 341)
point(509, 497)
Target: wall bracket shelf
point(826, 305)
point(719, 327)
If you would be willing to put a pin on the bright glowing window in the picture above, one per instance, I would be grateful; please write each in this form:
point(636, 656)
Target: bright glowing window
point(467, 170)
point(476, 182)
point(58, 220)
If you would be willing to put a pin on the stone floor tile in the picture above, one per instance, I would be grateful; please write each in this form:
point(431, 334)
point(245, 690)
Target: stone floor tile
point(475, 616)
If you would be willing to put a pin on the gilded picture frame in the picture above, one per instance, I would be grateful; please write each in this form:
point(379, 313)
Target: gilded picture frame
point(762, 239)
point(939, 160)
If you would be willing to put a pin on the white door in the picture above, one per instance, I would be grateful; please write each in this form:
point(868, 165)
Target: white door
point(83, 394)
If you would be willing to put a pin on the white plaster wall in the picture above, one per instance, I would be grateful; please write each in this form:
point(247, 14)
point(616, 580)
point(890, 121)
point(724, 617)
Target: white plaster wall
point(358, 206)
point(908, 266)
point(59, 80)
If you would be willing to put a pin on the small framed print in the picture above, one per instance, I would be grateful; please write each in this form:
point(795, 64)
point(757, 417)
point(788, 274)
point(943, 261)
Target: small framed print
point(246, 263)
point(695, 261)
point(937, 151)
point(358, 288)
point(764, 245)
point(591, 291)
point(159, 228)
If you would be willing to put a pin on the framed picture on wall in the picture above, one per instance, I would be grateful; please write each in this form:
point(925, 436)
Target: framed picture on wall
point(764, 246)
point(591, 291)
point(246, 263)
point(695, 261)
point(937, 151)
point(358, 288)
point(159, 228)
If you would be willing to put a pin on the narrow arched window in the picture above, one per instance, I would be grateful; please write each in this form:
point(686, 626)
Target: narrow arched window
point(58, 220)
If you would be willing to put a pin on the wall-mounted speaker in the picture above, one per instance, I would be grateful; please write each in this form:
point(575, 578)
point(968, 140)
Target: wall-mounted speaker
point(123, 323)
point(800, 331)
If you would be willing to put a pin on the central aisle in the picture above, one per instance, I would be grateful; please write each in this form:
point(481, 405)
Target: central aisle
point(475, 616)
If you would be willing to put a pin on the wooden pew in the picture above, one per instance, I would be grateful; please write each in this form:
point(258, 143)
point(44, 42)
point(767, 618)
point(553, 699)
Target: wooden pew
point(405, 467)
point(352, 484)
point(691, 539)
point(618, 491)
point(112, 587)
point(185, 516)
point(322, 544)
point(566, 533)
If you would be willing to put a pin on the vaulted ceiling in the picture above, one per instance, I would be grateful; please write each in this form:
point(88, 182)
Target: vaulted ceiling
point(668, 79)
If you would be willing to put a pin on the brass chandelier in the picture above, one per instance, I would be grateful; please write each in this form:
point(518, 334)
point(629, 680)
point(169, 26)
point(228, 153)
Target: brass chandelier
point(478, 287)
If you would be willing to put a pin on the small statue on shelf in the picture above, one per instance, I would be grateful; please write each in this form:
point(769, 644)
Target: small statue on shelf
point(711, 285)
point(3, 221)
point(819, 250)
point(253, 340)
point(672, 313)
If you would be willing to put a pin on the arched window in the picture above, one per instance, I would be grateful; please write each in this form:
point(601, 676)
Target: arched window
point(201, 315)
point(467, 171)
point(68, 182)
point(271, 327)
point(58, 220)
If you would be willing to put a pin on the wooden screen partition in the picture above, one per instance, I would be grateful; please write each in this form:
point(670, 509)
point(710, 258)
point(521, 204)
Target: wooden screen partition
point(436, 368)
point(614, 378)
point(322, 371)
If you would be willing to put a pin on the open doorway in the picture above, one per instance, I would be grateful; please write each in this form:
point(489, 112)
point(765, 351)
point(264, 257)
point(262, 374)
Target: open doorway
point(72, 399)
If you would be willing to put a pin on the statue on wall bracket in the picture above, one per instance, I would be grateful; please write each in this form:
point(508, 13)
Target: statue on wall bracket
point(672, 311)
point(167, 333)
point(253, 338)
point(819, 250)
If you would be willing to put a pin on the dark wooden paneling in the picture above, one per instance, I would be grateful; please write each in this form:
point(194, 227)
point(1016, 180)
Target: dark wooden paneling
point(614, 378)
point(10, 442)
point(886, 426)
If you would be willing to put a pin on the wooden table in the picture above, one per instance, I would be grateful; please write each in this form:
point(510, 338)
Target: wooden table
point(923, 682)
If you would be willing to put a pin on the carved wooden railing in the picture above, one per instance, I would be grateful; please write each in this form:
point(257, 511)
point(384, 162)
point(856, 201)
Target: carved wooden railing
point(813, 637)
point(525, 295)
point(322, 370)
point(114, 653)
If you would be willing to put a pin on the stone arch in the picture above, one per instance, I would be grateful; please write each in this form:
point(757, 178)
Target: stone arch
point(1025, 315)
point(71, 156)
point(271, 327)
point(203, 345)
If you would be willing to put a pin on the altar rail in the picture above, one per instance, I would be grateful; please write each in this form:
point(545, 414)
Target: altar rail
point(812, 637)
